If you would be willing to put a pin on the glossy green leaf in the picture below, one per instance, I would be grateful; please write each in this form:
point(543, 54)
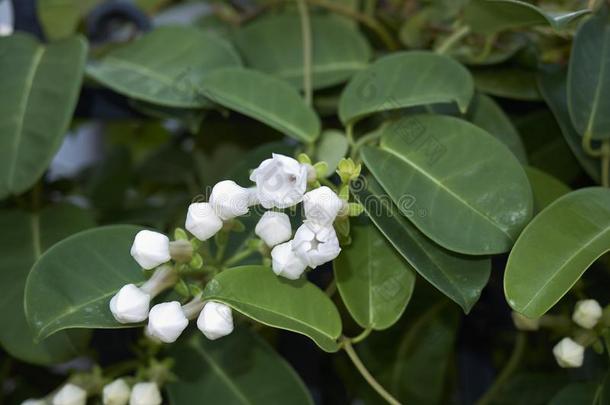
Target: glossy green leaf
point(233, 370)
point(72, 283)
point(39, 86)
point(575, 394)
point(298, 306)
point(589, 77)
point(25, 238)
point(459, 277)
point(165, 66)
point(460, 186)
point(545, 187)
point(332, 147)
point(374, 281)
point(406, 79)
point(556, 248)
point(264, 98)
point(508, 82)
point(274, 45)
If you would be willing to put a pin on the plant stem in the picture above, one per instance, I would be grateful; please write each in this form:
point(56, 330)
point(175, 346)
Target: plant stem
point(586, 145)
point(331, 289)
point(347, 346)
point(605, 162)
point(236, 258)
point(363, 335)
point(452, 39)
point(307, 51)
point(507, 372)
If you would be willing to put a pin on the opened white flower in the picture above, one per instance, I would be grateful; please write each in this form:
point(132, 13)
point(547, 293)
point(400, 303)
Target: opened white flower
point(524, 323)
point(280, 181)
point(166, 321)
point(70, 394)
point(230, 200)
point(568, 353)
point(145, 393)
point(202, 221)
point(273, 228)
point(587, 313)
point(215, 320)
point(315, 244)
point(130, 304)
point(150, 249)
point(116, 393)
point(286, 263)
point(322, 205)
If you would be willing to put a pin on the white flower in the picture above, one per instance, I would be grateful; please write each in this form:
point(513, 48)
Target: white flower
point(587, 313)
point(215, 320)
point(166, 321)
point(322, 205)
point(280, 181)
point(286, 263)
point(116, 393)
point(34, 402)
point(202, 221)
point(145, 394)
point(273, 228)
point(70, 394)
point(315, 244)
point(130, 304)
point(230, 200)
point(568, 353)
point(524, 323)
point(150, 249)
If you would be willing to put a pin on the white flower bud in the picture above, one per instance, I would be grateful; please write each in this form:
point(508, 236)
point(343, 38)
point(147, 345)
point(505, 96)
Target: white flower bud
point(33, 401)
point(230, 200)
point(280, 181)
point(145, 394)
point(130, 304)
point(322, 205)
point(150, 249)
point(166, 321)
point(215, 320)
point(286, 263)
point(524, 323)
point(273, 228)
point(116, 393)
point(70, 394)
point(202, 221)
point(587, 313)
point(315, 244)
point(568, 353)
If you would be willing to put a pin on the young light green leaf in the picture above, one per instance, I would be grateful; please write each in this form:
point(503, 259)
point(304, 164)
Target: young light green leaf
point(298, 306)
point(264, 98)
point(39, 86)
point(460, 186)
point(556, 248)
point(546, 188)
point(374, 281)
point(73, 282)
point(405, 79)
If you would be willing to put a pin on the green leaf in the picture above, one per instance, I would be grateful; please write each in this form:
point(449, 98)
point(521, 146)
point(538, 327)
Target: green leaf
point(546, 188)
point(298, 306)
point(165, 66)
point(556, 248)
point(72, 283)
point(60, 18)
point(39, 86)
point(273, 45)
point(25, 238)
point(575, 393)
point(405, 79)
point(374, 281)
point(264, 98)
point(232, 370)
point(460, 186)
point(459, 277)
point(589, 77)
point(508, 82)
point(332, 147)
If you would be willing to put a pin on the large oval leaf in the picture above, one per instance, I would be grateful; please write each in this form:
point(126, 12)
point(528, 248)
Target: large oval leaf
point(459, 185)
point(374, 281)
point(459, 277)
point(274, 45)
point(73, 282)
point(298, 306)
point(165, 66)
point(545, 187)
point(232, 370)
point(589, 77)
point(406, 79)
point(28, 237)
point(39, 86)
point(263, 98)
point(556, 248)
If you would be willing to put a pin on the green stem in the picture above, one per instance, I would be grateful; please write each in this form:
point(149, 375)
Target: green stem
point(331, 289)
point(586, 145)
point(450, 41)
point(239, 256)
point(605, 162)
point(307, 51)
point(349, 133)
point(361, 141)
point(363, 335)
